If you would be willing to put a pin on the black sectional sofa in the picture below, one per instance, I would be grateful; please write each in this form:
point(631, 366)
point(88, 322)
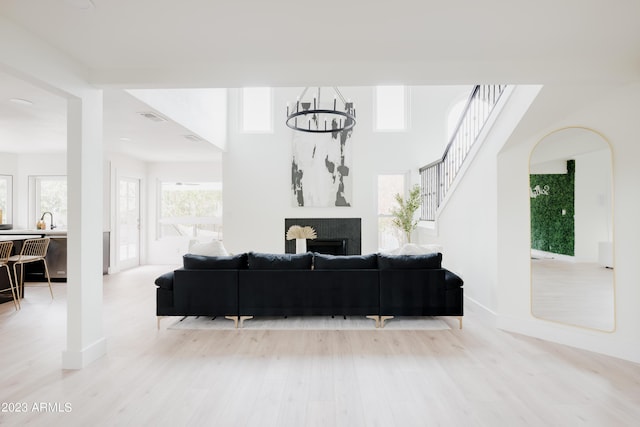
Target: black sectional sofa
point(256, 284)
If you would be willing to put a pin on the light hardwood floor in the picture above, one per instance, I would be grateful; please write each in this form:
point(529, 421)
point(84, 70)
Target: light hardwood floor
point(477, 376)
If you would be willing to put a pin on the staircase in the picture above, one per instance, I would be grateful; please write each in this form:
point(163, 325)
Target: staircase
point(436, 178)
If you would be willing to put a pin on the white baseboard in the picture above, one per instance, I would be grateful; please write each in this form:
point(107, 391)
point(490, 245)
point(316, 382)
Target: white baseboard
point(485, 314)
point(582, 338)
point(80, 359)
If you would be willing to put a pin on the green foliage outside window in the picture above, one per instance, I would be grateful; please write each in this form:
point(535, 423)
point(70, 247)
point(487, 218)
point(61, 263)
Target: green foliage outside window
point(191, 209)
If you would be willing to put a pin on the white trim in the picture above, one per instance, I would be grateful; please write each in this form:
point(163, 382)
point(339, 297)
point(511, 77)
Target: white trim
point(82, 358)
point(572, 336)
point(485, 314)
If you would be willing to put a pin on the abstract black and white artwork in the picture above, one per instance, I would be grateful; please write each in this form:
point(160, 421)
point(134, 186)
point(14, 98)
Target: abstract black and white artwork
point(321, 169)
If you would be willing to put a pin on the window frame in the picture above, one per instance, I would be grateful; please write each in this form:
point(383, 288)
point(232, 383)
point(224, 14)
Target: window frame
point(35, 200)
point(192, 220)
point(7, 212)
point(405, 188)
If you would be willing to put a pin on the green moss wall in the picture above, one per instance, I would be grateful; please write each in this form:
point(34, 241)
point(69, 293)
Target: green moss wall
point(551, 230)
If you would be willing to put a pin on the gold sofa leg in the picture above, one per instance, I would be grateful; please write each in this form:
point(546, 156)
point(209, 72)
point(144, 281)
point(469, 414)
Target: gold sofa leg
point(376, 318)
point(383, 318)
point(234, 318)
point(242, 319)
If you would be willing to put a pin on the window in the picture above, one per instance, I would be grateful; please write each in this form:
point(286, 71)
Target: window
point(192, 209)
point(389, 236)
point(49, 195)
point(390, 108)
point(6, 190)
point(256, 110)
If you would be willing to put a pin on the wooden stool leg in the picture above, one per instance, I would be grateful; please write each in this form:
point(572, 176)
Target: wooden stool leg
point(13, 291)
point(46, 270)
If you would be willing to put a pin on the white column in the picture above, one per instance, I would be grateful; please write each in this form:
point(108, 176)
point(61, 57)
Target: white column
point(85, 336)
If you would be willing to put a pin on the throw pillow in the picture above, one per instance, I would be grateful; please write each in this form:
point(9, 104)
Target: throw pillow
point(344, 262)
point(405, 262)
point(212, 248)
point(261, 261)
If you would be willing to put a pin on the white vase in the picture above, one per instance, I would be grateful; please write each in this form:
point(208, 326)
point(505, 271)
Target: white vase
point(301, 246)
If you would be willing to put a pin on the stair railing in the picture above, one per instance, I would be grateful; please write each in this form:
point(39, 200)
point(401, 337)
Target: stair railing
point(436, 178)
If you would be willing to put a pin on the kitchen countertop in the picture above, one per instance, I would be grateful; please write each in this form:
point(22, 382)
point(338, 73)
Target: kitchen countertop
point(34, 232)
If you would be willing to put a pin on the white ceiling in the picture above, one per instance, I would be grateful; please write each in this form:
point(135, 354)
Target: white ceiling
point(42, 128)
point(204, 43)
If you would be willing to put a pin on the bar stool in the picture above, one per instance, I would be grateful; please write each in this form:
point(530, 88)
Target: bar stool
point(33, 250)
point(5, 253)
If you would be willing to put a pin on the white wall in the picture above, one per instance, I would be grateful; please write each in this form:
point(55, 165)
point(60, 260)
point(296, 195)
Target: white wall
point(615, 116)
point(257, 167)
point(466, 225)
point(593, 214)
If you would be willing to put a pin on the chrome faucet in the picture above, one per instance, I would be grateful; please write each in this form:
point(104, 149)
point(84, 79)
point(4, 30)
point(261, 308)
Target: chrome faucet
point(42, 219)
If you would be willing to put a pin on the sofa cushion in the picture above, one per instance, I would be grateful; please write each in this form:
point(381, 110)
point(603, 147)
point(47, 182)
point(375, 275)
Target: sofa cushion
point(203, 262)
point(165, 281)
point(261, 261)
point(409, 262)
point(344, 262)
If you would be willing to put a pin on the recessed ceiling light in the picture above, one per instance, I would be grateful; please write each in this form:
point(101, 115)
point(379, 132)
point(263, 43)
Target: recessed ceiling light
point(125, 139)
point(80, 4)
point(152, 116)
point(194, 138)
point(21, 101)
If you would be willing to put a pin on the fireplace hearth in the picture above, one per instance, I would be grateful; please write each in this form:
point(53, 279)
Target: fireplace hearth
point(328, 246)
point(336, 236)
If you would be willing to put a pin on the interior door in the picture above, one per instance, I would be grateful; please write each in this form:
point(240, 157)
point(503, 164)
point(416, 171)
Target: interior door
point(128, 222)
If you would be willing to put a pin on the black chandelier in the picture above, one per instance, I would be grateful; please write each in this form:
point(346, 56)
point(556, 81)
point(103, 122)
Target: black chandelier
point(319, 118)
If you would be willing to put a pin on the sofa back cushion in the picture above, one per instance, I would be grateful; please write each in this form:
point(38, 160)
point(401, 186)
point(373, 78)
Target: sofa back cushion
point(262, 261)
point(409, 262)
point(344, 262)
point(204, 262)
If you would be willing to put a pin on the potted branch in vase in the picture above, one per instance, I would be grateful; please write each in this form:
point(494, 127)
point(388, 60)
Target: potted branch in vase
point(404, 213)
